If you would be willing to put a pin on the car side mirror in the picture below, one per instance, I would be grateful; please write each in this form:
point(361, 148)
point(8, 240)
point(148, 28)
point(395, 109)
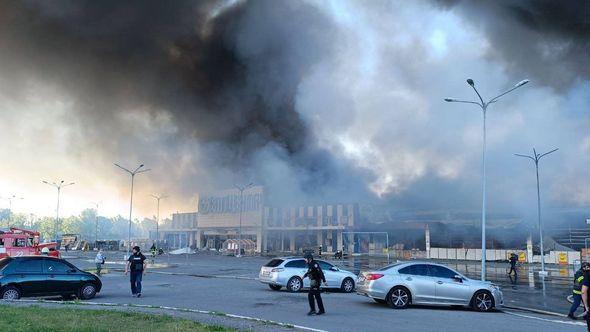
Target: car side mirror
point(334, 268)
point(458, 278)
point(72, 270)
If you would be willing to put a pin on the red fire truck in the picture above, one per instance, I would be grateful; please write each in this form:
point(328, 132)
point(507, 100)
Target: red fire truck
point(22, 242)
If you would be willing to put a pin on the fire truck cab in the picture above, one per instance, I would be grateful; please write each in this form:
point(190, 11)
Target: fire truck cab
point(21, 242)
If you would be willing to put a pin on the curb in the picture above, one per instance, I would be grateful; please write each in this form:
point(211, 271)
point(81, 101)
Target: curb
point(538, 311)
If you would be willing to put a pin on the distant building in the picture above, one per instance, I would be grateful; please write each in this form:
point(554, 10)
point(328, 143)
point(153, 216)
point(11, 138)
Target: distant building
point(279, 229)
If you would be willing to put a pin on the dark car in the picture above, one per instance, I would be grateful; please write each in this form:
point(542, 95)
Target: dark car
point(45, 276)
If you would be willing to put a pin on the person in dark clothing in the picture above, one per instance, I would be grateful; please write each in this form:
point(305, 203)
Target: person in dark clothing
point(136, 264)
point(579, 277)
point(316, 277)
point(513, 260)
point(585, 299)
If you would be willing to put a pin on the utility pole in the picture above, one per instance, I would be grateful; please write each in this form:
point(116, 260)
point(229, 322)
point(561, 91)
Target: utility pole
point(95, 225)
point(132, 173)
point(58, 186)
point(484, 107)
point(158, 198)
point(535, 158)
point(10, 199)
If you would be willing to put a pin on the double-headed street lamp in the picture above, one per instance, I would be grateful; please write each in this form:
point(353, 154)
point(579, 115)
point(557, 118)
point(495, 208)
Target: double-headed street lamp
point(241, 189)
point(58, 186)
point(138, 170)
point(158, 198)
point(535, 158)
point(484, 107)
point(10, 199)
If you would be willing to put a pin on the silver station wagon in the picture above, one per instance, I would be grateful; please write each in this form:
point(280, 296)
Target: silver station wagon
point(402, 284)
point(288, 272)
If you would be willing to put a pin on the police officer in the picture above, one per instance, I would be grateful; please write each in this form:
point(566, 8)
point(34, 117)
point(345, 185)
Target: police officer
point(577, 291)
point(316, 276)
point(513, 260)
point(136, 264)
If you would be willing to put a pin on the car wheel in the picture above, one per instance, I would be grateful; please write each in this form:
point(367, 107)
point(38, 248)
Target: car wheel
point(347, 285)
point(11, 293)
point(398, 298)
point(87, 291)
point(275, 287)
point(380, 301)
point(482, 301)
point(294, 284)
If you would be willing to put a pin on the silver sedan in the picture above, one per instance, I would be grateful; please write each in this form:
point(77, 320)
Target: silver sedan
point(288, 272)
point(402, 284)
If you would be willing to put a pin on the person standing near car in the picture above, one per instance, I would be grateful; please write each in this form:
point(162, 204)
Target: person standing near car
point(316, 277)
point(99, 260)
point(136, 264)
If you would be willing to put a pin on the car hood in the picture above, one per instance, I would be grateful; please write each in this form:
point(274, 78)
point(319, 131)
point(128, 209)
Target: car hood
point(479, 283)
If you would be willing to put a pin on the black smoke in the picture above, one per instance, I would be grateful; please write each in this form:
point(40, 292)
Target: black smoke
point(226, 73)
point(548, 40)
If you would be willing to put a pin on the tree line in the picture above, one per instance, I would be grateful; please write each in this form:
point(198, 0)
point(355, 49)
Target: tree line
point(85, 224)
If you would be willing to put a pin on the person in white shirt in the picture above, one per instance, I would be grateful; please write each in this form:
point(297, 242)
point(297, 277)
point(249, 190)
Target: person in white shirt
point(99, 260)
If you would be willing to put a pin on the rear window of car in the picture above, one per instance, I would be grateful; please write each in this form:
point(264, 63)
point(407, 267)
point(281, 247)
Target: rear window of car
point(325, 265)
point(299, 263)
point(385, 268)
point(274, 263)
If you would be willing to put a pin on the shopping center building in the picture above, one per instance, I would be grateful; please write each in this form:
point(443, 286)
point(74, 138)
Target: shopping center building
point(271, 228)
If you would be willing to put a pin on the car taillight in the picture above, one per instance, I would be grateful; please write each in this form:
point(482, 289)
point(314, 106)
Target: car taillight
point(373, 276)
point(278, 269)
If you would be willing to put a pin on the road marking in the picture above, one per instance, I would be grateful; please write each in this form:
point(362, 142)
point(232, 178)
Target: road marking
point(147, 306)
point(544, 319)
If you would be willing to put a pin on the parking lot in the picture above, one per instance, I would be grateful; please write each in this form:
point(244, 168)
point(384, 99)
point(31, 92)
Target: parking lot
point(228, 285)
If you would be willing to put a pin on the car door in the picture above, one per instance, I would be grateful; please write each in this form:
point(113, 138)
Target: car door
point(421, 284)
point(297, 267)
point(332, 276)
point(28, 274)
point(61, 277)
point(448, 288)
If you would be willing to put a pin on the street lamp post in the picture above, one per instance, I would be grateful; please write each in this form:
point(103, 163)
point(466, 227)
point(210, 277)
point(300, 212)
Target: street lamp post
point(158, 198)
point(484, 107)
point(138, 170)
point(95, 225)
point(535, 158)
point(241, 189)
point(58, 186)
point(10, 199)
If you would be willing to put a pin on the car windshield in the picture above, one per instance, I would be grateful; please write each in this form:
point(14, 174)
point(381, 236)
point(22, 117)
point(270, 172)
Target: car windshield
point(4, 262)
point(274, 263)
point(385, 268)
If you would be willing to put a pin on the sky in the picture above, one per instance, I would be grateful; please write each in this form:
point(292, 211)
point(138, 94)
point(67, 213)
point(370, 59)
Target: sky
point(319, 101)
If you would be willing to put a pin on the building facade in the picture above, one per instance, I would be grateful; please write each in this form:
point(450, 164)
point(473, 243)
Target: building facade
point(275, 229)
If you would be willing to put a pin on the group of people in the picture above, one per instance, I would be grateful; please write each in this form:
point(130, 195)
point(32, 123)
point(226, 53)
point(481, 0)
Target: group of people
point(136, 267)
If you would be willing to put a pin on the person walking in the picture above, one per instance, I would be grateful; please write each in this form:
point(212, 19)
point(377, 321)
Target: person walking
point(136, 265)
point(316, 277)
point(99, 261)
point(579, 277)
point(585, 293)
point(513, 260)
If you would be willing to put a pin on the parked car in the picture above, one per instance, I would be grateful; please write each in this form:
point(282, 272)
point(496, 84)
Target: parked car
point(45, 276)
point(405, 283)
point(288, 272)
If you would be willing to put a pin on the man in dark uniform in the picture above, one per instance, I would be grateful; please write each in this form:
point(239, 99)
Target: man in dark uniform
point(316, 277)
point(577, 291)
point(513, 260)
point(585, 299)
point(137, 265)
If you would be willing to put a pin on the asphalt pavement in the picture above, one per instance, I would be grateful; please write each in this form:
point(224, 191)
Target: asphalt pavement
point(228, 285)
